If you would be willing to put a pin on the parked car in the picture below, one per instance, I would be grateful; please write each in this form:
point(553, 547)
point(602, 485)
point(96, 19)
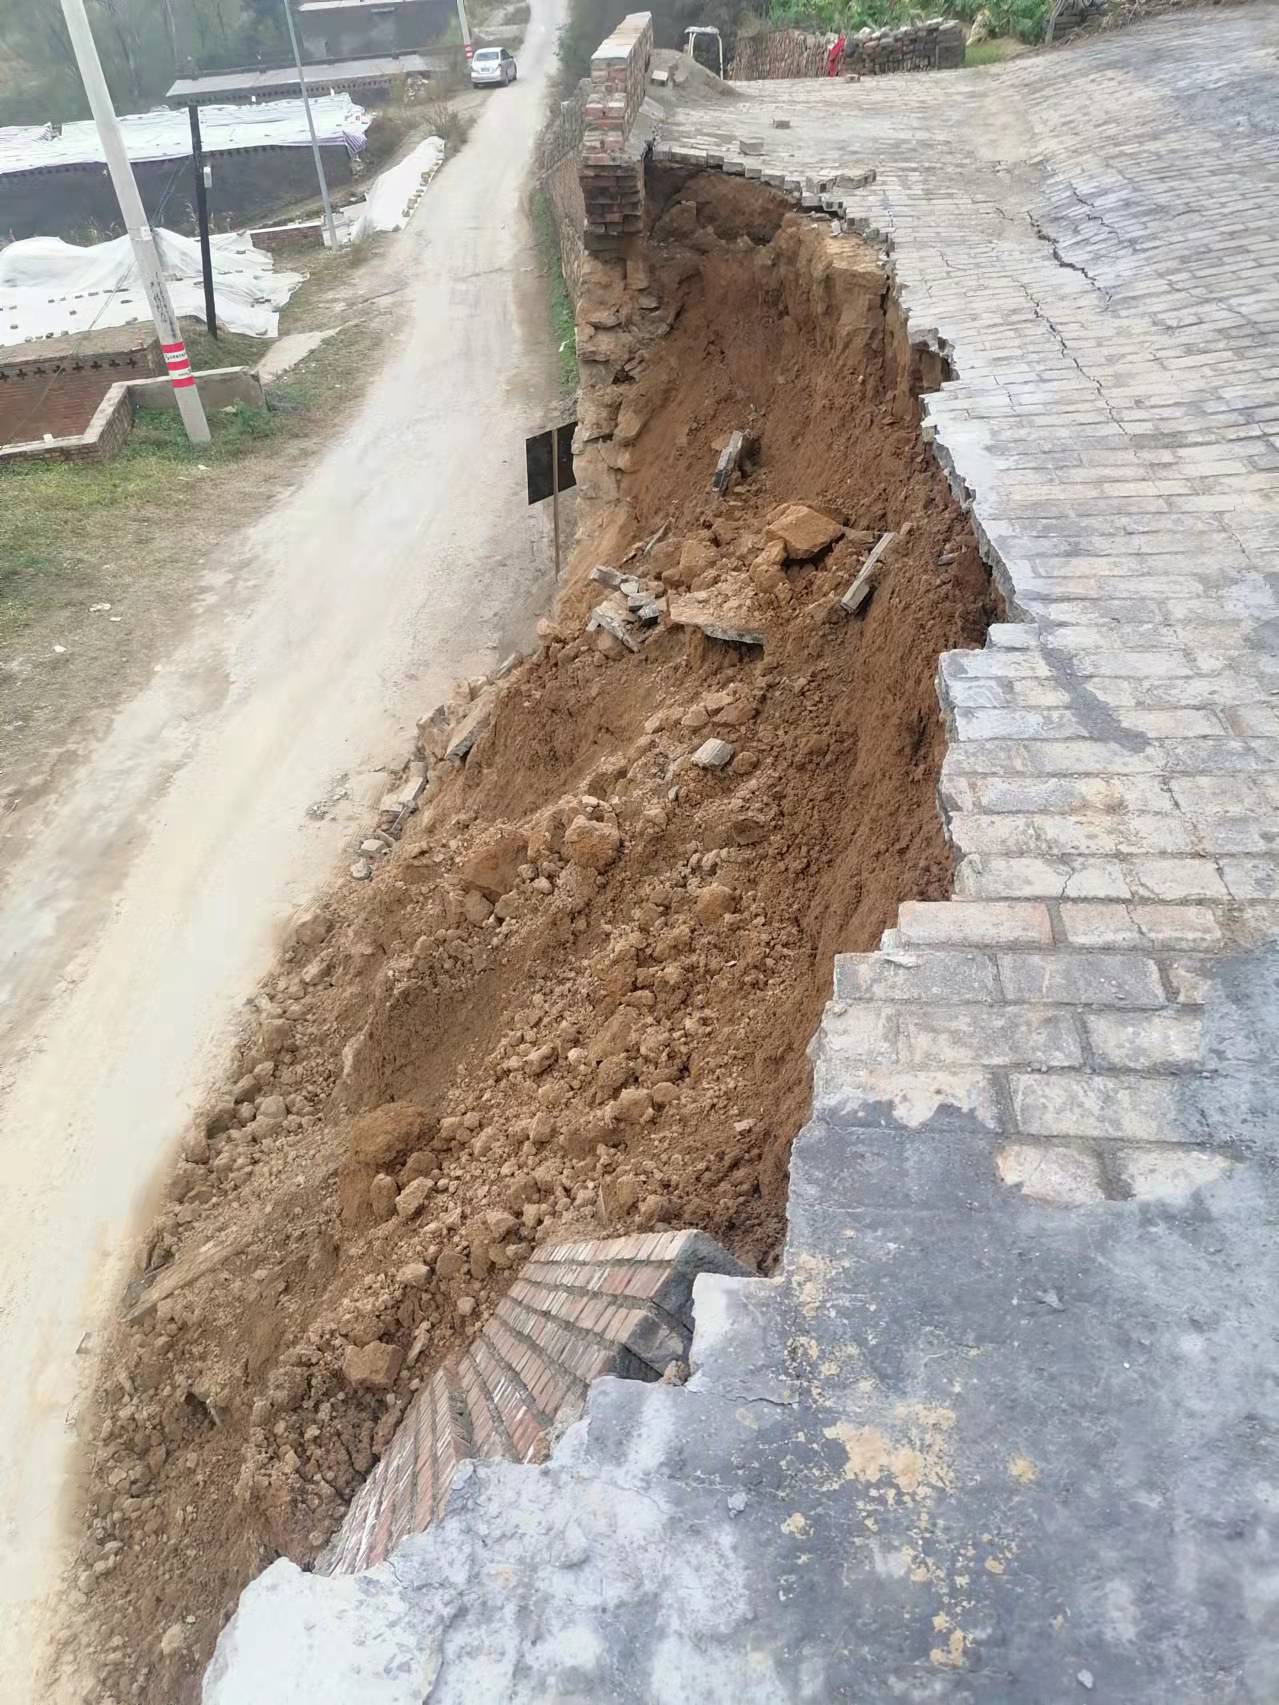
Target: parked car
point(492, 65)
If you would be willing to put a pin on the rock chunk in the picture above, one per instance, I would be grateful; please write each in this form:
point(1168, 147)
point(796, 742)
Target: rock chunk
point(412, 1197)
point(803, 531)
point(372, 1367)
point(387, 1133)
point(713, 754)
point(494, 867)
point(592, 846)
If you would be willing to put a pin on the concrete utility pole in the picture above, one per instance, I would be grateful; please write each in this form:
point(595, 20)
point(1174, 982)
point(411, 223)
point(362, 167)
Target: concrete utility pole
point(310, 124)
point(465, 24)
point(141, 235)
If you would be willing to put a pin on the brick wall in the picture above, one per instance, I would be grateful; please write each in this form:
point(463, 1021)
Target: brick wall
point(576, 1311)
point(610, 169)
point(937, 45)
point(557, 173)
point(61, 396)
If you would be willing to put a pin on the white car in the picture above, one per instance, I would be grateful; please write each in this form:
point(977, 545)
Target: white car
point(492, 65)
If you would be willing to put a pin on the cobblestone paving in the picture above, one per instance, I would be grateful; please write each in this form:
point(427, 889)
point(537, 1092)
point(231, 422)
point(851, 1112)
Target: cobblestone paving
point(1003, 1429)
point(1089, 237)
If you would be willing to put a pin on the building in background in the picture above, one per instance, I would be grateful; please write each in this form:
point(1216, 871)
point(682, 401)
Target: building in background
point(350, 29)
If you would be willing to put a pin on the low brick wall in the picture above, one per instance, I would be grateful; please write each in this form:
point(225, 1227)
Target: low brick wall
point(937, 45)
point(576, 1312)
point(610, 170)
point(59, 394)
point(112, 419)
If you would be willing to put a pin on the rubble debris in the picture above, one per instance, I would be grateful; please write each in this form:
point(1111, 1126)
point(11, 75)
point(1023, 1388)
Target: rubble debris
point(610, 577)
point(434, 734)
point(862, 587)
point(805, 533)
point(781, 124)
point(472, 727)
point(361, 870)
point(409, 791)
point(620, 623)
point(714, 755)
point(742, 448)
point(749, 145)
point(715, 624)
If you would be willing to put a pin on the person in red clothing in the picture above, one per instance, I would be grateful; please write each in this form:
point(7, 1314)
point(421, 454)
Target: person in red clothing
point(835, 57)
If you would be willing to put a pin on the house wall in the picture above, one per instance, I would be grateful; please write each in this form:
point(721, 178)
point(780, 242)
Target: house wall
point(351, 31)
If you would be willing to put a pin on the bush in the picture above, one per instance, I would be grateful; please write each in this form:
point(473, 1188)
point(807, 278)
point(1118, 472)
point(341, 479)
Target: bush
point(1025, 19)
point(451, 126)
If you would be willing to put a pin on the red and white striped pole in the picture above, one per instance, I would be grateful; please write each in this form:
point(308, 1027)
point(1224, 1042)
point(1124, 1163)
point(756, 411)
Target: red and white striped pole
point(140, 233)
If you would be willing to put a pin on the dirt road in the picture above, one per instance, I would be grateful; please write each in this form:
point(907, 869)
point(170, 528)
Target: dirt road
point(132, 930)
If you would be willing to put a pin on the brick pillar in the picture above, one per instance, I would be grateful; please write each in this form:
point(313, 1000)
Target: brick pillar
point(610, 168)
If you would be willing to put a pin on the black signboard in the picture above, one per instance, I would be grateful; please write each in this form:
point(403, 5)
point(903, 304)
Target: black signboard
point(541, 453)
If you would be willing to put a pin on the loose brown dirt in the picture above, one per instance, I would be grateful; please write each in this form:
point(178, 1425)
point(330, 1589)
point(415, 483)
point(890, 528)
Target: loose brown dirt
point(587, 976)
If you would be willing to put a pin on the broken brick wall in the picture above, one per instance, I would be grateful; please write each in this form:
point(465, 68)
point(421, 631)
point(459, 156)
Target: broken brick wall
point(610, 167)
point(577, 1311)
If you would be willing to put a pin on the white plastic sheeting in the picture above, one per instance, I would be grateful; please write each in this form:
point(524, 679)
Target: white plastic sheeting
point(166, 135)
point(49, 288)
point(392, 195)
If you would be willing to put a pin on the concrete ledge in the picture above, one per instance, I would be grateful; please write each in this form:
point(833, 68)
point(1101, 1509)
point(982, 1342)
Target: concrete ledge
point(219, 387)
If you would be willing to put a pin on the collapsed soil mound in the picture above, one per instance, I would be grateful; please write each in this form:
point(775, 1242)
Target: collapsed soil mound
point(578, 994)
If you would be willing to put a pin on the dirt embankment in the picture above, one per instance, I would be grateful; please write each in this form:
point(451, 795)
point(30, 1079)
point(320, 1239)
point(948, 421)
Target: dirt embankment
point(587, 976)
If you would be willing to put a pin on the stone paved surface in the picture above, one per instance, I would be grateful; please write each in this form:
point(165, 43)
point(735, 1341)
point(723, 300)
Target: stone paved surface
point(1004, 1428)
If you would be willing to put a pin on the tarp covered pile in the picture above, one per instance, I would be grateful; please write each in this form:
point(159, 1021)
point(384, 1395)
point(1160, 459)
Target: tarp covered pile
point(49, 288)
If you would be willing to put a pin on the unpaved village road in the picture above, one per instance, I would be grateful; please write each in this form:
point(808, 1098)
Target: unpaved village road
point(134, 928)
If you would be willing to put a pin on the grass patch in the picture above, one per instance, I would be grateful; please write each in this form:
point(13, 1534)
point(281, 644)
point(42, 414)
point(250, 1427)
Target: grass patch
point(50, 511)
point(994, 52)
point(228, 349)
point(560, 305)
point(1025, 20)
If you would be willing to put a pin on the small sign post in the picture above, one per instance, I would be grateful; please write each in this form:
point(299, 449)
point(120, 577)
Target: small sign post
point(549, 460)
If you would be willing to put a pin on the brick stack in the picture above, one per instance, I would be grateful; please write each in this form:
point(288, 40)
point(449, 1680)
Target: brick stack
point(611, 172)
point(932, 46)
point(577, 1311)
point(773, 54)
point(937, 45)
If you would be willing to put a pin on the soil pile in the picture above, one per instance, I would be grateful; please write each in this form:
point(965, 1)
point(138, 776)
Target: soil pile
point(578, 993)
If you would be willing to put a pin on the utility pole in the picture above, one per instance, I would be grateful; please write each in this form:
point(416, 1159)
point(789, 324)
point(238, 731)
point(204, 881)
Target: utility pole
point(202, 217)
point(465, 24)
point(141, 235)
point(310, 124)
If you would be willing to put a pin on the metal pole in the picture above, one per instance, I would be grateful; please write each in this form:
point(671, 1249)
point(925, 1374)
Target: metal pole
point(141, 235)
point(555, 493)
point(202, 216)
point(310, 124)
